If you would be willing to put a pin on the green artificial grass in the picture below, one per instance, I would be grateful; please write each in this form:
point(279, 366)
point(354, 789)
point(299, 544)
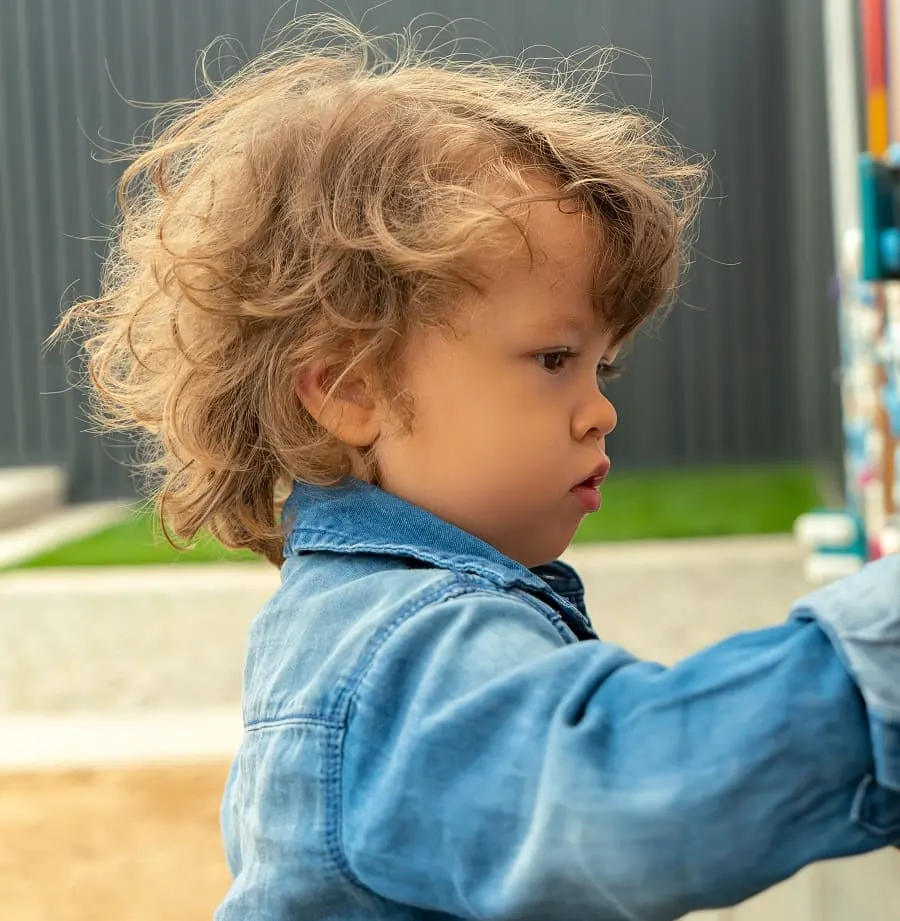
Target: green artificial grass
point(702, 503)
point(682, 503)
point(135, 541)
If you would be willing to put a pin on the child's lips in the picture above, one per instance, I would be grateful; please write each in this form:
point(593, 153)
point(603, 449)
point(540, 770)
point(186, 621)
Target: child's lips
point(587, 491)
point(589, 495)
point(600, 473)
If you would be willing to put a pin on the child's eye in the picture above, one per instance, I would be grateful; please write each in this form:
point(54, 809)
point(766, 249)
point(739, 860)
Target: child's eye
point(553, 362)
point(608, 372)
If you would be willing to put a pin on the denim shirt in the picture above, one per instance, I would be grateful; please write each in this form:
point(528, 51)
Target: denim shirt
point(434, 731)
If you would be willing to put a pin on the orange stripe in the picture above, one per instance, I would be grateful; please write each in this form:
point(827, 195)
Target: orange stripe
point(878, 122)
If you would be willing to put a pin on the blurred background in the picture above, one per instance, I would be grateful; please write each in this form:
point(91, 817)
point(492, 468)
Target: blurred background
point(742, 372)
point(120, 674)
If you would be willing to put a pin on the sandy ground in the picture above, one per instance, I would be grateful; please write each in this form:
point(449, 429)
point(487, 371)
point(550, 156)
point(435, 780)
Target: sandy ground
point(142, 844)
point(112, 845)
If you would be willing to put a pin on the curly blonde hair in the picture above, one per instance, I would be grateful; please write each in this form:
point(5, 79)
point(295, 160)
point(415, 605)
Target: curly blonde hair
point(316, 206)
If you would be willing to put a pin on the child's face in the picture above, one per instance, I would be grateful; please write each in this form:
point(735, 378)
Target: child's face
point(505, 423)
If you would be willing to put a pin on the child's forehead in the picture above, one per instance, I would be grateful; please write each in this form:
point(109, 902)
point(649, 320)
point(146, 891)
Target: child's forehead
point(557, 243)
point(554, 298)
point(549, 267)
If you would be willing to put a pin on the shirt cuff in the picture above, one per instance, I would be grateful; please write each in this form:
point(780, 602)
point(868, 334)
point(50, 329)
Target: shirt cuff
point(861, 616)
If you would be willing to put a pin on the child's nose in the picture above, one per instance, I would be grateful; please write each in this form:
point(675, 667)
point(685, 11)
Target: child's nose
point(608, 414)
point(597, 417)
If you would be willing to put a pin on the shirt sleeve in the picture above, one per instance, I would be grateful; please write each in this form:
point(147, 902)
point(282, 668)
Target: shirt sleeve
point(860, 616)
point(491, 771)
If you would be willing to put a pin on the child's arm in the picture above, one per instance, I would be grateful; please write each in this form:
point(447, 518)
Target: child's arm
point(487, 774)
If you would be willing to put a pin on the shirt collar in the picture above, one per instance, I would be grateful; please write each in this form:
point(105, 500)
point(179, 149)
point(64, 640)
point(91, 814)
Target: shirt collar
point(357, 517)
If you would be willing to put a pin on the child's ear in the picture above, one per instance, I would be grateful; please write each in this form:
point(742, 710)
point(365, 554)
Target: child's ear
point(349, 412)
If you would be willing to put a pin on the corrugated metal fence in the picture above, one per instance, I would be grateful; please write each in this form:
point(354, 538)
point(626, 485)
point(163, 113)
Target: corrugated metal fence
point(743, 369)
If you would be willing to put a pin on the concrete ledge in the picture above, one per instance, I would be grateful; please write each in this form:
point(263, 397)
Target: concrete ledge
point(167, 580)
point(28, 493)
point(127, 638)
point(56, 529)
point(690, 551)
point(90, 740)
point(132, 639)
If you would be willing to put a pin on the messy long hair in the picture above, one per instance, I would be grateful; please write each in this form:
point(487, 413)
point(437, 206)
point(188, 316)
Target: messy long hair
point(315, 207)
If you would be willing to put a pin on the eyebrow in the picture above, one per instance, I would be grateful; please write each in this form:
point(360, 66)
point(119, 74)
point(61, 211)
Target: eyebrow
point(570, 322)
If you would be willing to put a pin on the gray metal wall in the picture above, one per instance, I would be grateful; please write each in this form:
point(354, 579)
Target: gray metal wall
point(741, 372)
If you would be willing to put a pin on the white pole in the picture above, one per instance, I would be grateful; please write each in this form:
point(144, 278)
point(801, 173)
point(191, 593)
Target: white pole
point(843, 119)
